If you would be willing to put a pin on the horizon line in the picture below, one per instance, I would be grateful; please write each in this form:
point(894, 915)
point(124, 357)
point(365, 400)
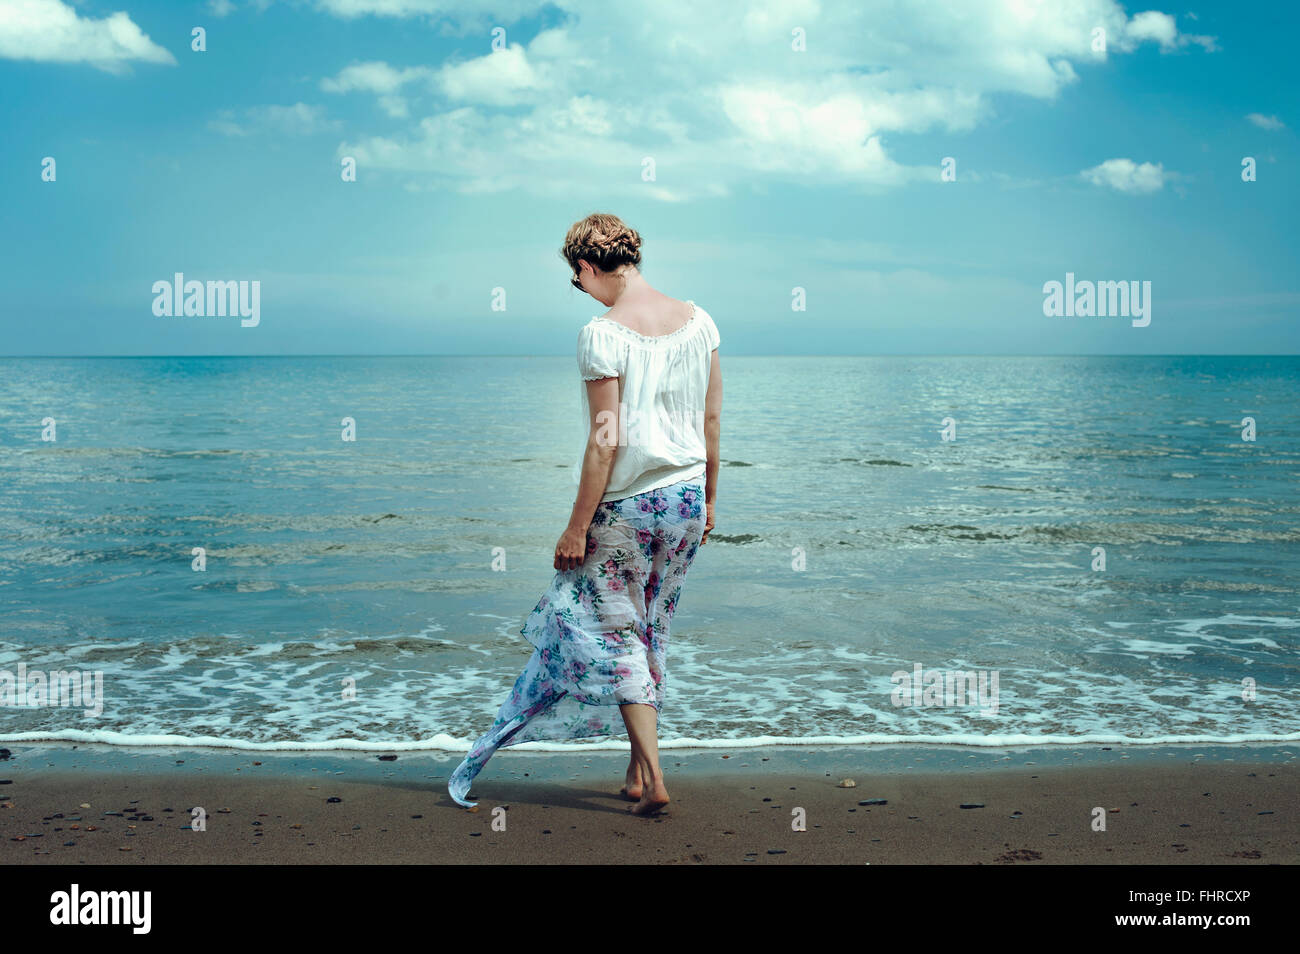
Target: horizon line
point(899, 354)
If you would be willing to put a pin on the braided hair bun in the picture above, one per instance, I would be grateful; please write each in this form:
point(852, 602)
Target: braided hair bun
point(604, 240)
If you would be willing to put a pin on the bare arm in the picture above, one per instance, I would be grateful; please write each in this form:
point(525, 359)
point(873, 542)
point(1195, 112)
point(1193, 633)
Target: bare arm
point(712, 439)
point(597, 465)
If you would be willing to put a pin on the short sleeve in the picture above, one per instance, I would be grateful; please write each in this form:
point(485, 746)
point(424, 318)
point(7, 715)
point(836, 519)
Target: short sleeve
point(599, 355)
point(711, 330)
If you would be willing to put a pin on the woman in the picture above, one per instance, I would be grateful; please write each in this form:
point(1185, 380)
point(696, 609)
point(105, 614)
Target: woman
point(647, 480)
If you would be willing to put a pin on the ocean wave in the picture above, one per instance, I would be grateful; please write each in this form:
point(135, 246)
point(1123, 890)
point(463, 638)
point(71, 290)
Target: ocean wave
point(446, 743)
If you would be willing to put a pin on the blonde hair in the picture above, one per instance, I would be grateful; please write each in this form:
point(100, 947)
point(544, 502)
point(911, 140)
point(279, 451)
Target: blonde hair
point(604, 240)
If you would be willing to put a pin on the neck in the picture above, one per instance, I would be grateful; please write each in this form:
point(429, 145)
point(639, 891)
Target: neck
point(631, 281)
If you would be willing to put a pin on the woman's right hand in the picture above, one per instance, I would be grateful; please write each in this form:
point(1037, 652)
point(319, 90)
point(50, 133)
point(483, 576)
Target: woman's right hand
point(708, 523)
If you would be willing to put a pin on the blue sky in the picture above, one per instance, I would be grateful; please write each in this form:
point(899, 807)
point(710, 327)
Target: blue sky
point(774, 168)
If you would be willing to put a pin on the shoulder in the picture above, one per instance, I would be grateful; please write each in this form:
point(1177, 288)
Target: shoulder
point(710, 328)
point(600, 354)
point(597, 333)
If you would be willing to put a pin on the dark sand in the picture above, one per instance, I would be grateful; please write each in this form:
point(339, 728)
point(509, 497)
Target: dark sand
point(1181, 805)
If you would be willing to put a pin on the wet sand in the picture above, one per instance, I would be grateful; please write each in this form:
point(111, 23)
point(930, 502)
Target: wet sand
point(1181, 805)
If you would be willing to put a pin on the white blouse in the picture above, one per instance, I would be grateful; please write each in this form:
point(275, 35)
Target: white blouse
point(662, 384)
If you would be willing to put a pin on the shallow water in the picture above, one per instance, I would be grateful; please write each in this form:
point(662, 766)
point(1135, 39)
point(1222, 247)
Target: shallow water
point(851, 543)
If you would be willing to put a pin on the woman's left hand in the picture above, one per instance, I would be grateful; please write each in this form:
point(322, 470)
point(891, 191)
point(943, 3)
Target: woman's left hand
point(571, 550)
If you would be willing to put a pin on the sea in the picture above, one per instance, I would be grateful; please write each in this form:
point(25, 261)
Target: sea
point(988, 551)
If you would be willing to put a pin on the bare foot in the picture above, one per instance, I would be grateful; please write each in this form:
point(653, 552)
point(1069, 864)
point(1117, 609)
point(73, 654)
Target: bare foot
point(632, 790)
point(654, 800)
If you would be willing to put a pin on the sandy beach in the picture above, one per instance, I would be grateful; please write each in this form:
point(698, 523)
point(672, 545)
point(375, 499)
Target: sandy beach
point(1176, 805)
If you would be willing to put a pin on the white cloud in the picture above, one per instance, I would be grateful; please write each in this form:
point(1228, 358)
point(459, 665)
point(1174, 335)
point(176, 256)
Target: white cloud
point(479, 152)
point(221, 8)
point(1152, 25)
point(498, 78)
point(299, 119)
point(381, 79)
point(555, 44)
point(226, 125)
point(50, 31)
point(506, 11)
point(1125, 175)
point(373, 77)
point(798, 131)
point(395, 106)
point(714, 100)
point(1266, 122)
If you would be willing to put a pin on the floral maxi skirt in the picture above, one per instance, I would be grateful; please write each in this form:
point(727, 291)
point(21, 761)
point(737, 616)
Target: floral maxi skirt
point(600, 632)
